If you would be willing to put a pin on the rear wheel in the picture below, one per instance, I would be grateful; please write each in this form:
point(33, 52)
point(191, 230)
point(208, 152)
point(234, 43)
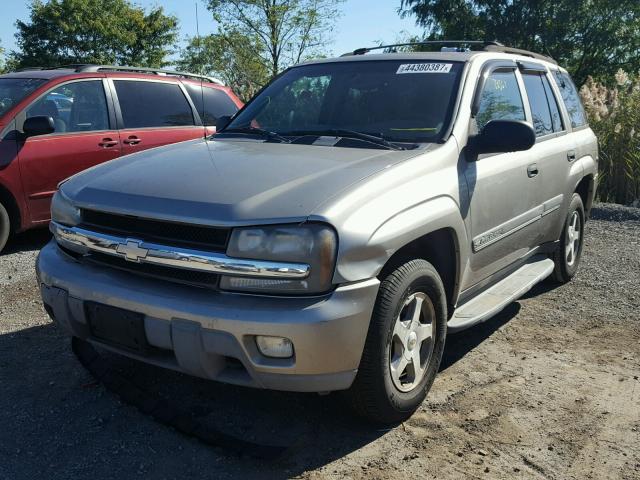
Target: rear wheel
point(404, 344)
point(567, 256)
point(5, 226)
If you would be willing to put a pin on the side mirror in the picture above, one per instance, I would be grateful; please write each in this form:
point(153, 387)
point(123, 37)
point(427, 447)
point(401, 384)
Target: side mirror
point(500, 136)
point(40, 125)
point(222, 122)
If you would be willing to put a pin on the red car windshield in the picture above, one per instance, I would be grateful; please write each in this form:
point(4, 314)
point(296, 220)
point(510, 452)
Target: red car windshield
point(13, 90)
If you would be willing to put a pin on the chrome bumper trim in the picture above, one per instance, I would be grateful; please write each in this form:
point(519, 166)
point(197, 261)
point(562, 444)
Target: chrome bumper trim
point(84, 241)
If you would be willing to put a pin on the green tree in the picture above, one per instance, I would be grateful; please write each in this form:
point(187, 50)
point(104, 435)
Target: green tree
point(94, 31)
point(2, 64)
point(589, 37)
point(287, 31)
point(231, 56)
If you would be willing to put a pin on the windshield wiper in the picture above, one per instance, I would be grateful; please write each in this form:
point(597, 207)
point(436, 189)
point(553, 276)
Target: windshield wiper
point(340, 132)
point(257, 131)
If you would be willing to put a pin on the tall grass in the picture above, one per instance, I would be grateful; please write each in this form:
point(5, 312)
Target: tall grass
point(614, 115)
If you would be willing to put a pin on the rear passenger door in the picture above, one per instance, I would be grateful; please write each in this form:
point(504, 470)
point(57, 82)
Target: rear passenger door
point(152, 113)
point(551, 150)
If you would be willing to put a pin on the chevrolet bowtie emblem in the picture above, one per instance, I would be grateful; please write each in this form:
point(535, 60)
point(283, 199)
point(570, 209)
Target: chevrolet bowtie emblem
point(132, 251)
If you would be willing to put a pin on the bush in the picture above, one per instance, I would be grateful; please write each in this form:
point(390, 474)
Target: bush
point(614, 115)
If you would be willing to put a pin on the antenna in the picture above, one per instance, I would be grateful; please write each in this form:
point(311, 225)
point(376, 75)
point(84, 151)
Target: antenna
point(202, 117)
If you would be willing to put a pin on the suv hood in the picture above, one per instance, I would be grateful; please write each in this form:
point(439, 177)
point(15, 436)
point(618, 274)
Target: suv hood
point(227, 182)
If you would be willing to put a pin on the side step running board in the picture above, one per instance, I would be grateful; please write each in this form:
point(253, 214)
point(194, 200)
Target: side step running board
point(495, 298)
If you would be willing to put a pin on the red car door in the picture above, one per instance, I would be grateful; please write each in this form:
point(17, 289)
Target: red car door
point(84, 136)
point(151, 113)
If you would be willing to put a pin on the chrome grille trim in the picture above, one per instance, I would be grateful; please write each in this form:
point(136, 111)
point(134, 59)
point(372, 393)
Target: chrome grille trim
point(83, 241)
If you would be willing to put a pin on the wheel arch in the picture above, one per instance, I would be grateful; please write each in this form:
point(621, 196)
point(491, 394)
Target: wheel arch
point(9, 202)
point(586, 189)
point(441, 249)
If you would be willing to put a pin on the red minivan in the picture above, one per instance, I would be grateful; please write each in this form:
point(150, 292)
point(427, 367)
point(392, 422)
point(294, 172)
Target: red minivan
point(57, 122)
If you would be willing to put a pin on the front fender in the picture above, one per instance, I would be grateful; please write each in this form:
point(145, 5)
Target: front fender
point(361, 258)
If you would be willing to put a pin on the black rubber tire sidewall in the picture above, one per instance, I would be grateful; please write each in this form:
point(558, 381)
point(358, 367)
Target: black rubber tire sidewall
point(374, 395)
point(563, 272)
point(5, 227)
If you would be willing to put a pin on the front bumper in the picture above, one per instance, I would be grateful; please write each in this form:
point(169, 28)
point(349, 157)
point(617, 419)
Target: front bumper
point(212, 334)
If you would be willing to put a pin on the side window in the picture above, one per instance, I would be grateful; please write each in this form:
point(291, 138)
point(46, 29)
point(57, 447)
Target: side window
point(556, 117)
point(74, 107)
point(500, 99)
point(152, 104)
point(571, 99)
point(216, 103)
point(544, 109)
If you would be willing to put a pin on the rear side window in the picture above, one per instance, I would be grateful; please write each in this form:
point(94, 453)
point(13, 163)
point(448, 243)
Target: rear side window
point(544, 108)
point(571, 99)
point(216, 103)
point(500, 99)
point(74, 107)
point(152, 104)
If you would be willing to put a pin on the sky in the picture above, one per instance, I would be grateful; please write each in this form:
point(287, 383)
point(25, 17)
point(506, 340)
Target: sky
point(363, 22)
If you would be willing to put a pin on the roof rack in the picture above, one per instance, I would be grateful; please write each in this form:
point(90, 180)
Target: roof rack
point(487, 46)
point(89, 67)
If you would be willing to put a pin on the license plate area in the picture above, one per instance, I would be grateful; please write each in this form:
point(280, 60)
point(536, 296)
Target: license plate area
point(116, 326)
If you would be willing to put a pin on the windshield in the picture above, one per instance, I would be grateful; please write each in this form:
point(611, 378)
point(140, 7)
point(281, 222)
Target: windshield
point(399, 100)
point(12, 90)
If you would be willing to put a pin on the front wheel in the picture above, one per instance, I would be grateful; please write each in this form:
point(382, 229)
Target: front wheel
point(404, 344)
point(567, 256)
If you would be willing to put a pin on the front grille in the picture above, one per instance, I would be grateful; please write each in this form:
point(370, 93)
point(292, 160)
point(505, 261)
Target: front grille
point(158, 272)
point(184, 235)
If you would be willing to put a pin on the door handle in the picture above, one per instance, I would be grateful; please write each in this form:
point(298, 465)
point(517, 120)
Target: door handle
point(132, 140)
point(532, 170)
point(571, 155)
point(108, 142)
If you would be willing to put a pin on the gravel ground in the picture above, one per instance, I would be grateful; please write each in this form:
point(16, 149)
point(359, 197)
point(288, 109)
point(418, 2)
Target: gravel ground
point(547, 389)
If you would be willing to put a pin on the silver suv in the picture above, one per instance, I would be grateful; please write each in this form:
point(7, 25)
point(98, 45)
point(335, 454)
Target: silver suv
point(338, 226)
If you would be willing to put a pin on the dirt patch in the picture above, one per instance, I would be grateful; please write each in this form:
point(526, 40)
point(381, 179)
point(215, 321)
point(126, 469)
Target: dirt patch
point(549, 388)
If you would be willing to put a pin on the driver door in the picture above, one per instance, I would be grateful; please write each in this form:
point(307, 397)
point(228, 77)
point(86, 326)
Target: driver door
point(83, 137)
point(502, 187)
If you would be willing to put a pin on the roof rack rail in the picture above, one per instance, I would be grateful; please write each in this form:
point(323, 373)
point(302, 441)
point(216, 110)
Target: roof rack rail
point(362, 51)
point(519, 51)
point(487, 46)
point(90, 67)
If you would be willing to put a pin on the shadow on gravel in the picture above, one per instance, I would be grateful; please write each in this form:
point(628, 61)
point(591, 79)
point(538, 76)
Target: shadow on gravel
point(615, 213)
point(458, 345)
point(57, 422)
point(27, 241)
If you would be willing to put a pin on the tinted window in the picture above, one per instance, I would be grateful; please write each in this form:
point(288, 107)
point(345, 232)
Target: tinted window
point(501, 99)
point(74, 107)
point(12, 90)
point(398, 100)
point(152, 104)
point(571, 99)
point(216, 103)
point(539, 103)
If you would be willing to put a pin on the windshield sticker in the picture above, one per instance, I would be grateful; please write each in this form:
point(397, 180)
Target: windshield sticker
point(424, 68)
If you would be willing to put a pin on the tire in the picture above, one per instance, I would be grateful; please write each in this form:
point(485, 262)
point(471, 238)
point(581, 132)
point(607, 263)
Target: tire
point(5, 226)
point(567, 256)
point(380, 393)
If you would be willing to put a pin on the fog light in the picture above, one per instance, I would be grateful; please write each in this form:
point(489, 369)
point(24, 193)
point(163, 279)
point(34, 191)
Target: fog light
point(274, 347)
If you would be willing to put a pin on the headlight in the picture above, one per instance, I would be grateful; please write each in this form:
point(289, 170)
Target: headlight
point(63, 211)
point(313, 244)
